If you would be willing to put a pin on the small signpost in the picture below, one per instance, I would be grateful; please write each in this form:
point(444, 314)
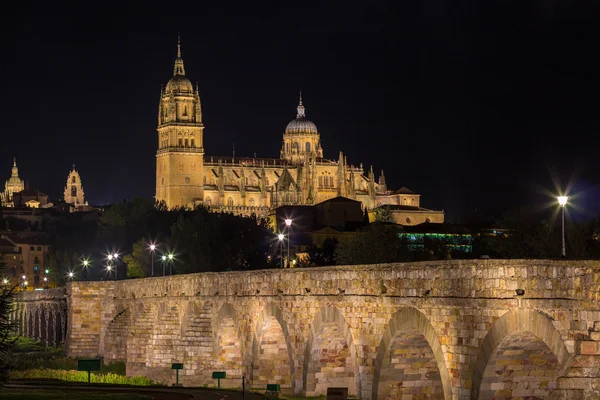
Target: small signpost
point(273, 390)
point(176, 367)
point(89, 365)
point(218, 375)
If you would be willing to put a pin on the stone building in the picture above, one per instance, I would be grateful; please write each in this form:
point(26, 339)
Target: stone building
point(31, 198)
point(74, 189)
point(26, 256)
point(186, 176)
point(13, 185)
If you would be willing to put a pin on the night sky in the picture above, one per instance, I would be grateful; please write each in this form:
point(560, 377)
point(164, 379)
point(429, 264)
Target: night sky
point(477, 105)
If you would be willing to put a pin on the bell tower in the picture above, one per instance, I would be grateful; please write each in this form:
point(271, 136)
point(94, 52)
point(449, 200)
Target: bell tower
point(180, 155)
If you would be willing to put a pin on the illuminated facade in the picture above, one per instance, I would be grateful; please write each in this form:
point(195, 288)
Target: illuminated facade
point(185, 176)
point(74, 189)
point(13, 185)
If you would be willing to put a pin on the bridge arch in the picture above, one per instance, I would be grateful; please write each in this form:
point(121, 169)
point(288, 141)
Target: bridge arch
point(272, 358)
point(516, 336)
point(410, 351)
point(228, 343)
point(330, 355)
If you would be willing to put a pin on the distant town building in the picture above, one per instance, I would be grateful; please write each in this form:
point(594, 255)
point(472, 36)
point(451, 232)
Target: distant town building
point(73, 193)
point(31, 198)
point(186, 177)
point(403, 207)
point(26, 256)
point(13, 185)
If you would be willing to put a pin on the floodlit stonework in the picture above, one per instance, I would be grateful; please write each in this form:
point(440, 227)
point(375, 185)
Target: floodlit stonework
point(73, 193)
point(186, 177)
point(431, 330)
point(14, 184)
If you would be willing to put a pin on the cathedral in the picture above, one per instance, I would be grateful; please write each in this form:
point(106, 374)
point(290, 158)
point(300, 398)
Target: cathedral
point(186, 176)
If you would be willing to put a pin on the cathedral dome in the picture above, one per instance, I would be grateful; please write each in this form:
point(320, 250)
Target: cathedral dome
point(301, 124)
point(179, 84)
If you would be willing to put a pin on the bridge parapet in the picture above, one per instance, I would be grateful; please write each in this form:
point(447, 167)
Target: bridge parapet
point(444, 329)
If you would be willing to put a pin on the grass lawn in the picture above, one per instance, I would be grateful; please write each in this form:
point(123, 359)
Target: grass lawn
point(50, 394)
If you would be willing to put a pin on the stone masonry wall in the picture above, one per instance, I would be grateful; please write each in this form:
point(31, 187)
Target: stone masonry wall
point(467, 312)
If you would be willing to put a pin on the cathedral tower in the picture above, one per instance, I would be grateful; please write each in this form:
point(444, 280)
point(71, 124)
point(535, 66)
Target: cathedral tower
point(13, 185)
point(179, 159)
point(301, 139)
point(74, 189)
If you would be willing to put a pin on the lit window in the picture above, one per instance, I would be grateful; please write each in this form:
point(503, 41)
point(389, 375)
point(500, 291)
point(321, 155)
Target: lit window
point(207, 201)
point(230, 201)
point(307, 147)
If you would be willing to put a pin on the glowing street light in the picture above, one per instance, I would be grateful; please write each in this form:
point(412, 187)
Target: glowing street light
point(164, 260)
point(24, 277)
point(152, 248)
point(288, 223)
point(71, 275)
point(170, 257)
point(280, 237)
point(562, 200)
point(110, 257)
point(5, 281)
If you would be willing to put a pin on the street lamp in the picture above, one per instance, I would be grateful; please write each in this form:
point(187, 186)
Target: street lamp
point(152, 248)
point(71, 275)
point(170, 257)
point(280, 237)
point(562, 200)
point(86, 264)
point(46, 282)
point(164, 260)
point(288, 223)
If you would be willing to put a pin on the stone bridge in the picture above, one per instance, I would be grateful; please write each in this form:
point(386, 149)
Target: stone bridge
point(471, 329)
point(42, 315)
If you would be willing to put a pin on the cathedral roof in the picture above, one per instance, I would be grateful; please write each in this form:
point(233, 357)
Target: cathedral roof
point(14, 179)
point(301, 124)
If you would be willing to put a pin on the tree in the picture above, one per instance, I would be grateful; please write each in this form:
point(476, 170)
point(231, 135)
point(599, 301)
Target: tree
point(322, 256)
point(139, 261)
point(7, 328)
point(377, 243)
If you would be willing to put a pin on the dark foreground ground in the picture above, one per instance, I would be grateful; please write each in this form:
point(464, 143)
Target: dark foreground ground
point(43, 391)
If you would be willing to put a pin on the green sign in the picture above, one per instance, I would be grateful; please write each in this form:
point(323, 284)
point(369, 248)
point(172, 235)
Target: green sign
point(219, 375)
point(273, 387)
point(89, 365)
point(177, 366)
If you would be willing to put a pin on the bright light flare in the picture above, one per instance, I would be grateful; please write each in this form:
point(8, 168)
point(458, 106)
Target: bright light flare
point(86, 263)
point(5, 281)
point(288, 222)
point(170, 256)
point(152, 247)
point(71, 275)
point(280, 236)
point(562, 200)
point(164, 258)
point(110, 257)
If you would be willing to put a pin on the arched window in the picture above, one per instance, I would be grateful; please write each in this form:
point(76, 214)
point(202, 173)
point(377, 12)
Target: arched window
point(180, 142)
point(74, 191)
point(295, 147)
point(287, 147)
point(307, 147)
point(230, 202)
point(320, 181)
point(73, 180)
point(193, 143)
point(331, 181)
point(251, 202)
point(187, 143)
point(207, 201)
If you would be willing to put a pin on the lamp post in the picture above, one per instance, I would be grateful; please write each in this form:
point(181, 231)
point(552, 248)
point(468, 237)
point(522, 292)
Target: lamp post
point(562, 200)
point(164, 260)
point(84, 268)
point(152, 248)
point(70, 275)
point(170, 257)
point(116, 260)
point(288, 223)
point(280, 237)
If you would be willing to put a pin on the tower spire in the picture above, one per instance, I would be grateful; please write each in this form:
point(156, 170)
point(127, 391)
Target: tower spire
point(301, 112)
point(178, 69)
point(14, 161)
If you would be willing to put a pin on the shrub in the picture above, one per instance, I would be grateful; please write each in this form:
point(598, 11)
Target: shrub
point(81, 376)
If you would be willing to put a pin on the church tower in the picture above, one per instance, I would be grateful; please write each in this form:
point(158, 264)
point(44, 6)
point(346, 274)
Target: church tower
point(13, 185)
point(180, 155)
point(74, 189)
